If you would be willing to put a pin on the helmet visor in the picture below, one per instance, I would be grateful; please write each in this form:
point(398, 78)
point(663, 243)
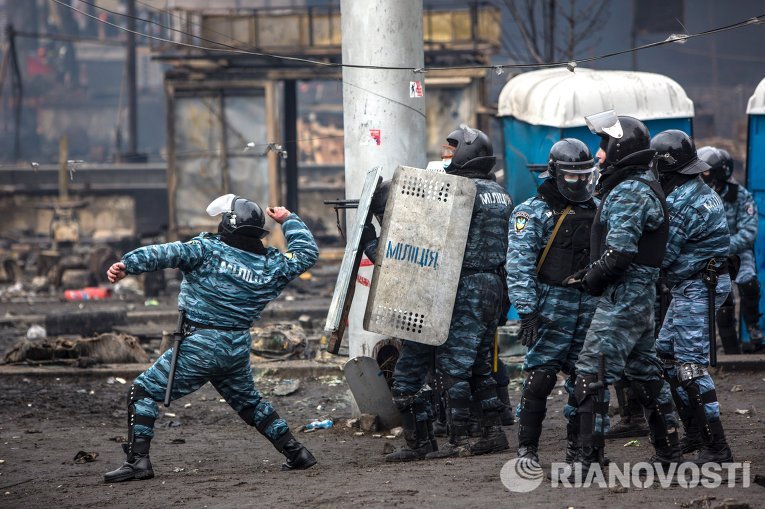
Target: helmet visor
point(221, 204)
point(576, 184)
point(605, 123)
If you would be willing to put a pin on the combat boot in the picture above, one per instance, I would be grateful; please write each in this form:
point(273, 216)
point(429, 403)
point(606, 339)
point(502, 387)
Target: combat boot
point(418, 440)
point(475, 431)
point(668, 451)
point(137, 465)
point(572, 443)
point(632, 422)
point(298, 457)
point(755, 339)
point(493, 439)
point(693, 439)
point(508, 413)
point(717, 449)
point(440, 429)
point(726, 323)
point(458, 444)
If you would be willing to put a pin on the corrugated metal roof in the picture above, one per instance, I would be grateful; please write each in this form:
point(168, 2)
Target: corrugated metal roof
point(561, 98)
point(756, 104)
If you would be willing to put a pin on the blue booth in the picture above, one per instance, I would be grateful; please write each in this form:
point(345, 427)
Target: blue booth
point(538, 108)
point(755, 179)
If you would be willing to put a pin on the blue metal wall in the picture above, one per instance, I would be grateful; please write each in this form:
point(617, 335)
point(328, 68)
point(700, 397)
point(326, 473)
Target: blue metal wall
point(755, 182)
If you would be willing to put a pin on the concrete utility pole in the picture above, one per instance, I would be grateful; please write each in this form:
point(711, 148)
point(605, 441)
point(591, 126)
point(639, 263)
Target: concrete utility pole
point(383, 125)
point(131, 82)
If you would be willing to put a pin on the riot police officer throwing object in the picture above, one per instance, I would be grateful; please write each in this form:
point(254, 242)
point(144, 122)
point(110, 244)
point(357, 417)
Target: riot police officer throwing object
point(696, 270)
point(228, 279)
point(549, 239)
point(629, 236)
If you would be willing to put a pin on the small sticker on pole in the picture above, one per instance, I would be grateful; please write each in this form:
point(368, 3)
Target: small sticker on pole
point(415, 89)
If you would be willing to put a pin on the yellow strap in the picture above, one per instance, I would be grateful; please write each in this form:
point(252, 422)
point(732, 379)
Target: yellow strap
point(495, 366)
point(552, 237)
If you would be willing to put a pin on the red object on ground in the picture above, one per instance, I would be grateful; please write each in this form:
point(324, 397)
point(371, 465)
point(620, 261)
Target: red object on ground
point(88, 293)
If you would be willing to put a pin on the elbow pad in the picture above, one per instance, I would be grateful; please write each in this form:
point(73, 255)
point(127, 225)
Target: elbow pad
point(605, 271)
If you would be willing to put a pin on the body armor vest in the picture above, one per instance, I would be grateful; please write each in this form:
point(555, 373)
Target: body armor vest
point(652, 244)
point(570, 250)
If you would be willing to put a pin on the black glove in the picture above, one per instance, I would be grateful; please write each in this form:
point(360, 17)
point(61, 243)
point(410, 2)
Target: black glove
point(608, 269)
point(530, 328)
point(368, 234)
point(575, 280)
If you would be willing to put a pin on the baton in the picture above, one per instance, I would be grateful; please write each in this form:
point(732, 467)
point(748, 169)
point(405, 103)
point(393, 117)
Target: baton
point(710, 280)
point(712, 329)
point(177, 338)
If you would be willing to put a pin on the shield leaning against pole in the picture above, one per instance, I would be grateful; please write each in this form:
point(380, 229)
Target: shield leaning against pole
point(419, 255)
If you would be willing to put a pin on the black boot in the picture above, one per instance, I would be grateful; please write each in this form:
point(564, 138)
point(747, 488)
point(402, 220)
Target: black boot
point(508, 413)
point(458, 444)
point(591, 443)
point(693, 439)
point(298, 457)
point(493, 439)
point(474, 431)
point(632, 423)
point(664, 438)
point(440, 429)
point(572, 442)
point(417, 437)
point(755, 339)
point(716, 450)
point(726, 323)
point(137, 466)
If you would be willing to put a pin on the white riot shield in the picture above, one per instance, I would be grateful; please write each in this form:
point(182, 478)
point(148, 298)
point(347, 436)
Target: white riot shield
point(419, 255)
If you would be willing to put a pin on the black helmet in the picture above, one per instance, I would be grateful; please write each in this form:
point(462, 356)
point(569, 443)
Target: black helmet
point(620, 136)
point(472, 150)
point(719, 171)
point(635, 138)
point(727, 162)
point(676, 152)
point(574, 169)
point(240, 216)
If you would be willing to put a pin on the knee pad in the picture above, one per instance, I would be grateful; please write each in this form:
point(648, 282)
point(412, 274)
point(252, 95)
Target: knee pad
point(688, 372)
point(581, 386)
point(647, 393)
point(539, 384)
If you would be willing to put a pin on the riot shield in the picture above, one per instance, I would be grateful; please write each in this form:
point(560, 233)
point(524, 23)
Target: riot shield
point(419, 255)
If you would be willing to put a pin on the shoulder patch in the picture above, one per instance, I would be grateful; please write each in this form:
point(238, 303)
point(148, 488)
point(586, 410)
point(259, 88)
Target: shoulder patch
point(750, 209)
point(520, 222)
point(289, 255)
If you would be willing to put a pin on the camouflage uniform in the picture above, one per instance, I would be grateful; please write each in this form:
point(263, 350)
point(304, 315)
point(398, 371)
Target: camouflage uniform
point(698, 232)
point(224, 288)
point(463, 362)
point(622, 328)
point(566, 312)
point(742, 219)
